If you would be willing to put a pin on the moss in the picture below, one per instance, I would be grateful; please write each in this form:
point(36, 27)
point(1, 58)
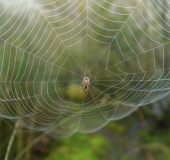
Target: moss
point(80, 147)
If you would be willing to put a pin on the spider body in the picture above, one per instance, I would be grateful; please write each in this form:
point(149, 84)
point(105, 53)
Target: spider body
point(86, 84)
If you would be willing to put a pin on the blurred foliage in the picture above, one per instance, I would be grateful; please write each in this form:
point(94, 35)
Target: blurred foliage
point(80, 146)
point(143, 135)
point(126, 139)
point(75, 92)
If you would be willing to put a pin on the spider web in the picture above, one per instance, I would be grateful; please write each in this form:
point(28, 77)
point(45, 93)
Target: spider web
point(47, 47)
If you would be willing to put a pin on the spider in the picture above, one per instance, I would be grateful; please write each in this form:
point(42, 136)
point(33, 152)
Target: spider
point(86, 84)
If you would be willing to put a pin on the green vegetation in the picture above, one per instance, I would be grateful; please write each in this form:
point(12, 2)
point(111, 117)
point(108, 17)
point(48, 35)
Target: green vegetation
point(75, 92)
point(41, 80)
point(80, 146)
point(126, 139)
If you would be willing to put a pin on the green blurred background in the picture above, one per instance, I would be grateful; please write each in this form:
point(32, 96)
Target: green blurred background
point(28, 58)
